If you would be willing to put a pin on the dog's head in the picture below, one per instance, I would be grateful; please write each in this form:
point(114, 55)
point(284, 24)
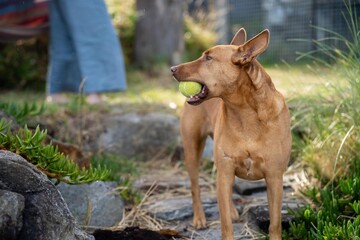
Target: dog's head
point(220, 69)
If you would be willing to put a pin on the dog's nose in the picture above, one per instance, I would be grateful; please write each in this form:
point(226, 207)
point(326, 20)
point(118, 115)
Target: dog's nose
point(173, 69)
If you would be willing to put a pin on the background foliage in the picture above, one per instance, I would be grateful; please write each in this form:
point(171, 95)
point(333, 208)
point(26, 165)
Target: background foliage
point(330, 121)
point(23, 64)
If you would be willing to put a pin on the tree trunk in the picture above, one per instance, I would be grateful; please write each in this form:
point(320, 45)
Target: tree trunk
point(221, 21)
point(159, 32)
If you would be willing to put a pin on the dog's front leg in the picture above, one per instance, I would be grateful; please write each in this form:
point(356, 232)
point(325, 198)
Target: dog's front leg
point(224, 181)
point(193, 150)
point(274, 183)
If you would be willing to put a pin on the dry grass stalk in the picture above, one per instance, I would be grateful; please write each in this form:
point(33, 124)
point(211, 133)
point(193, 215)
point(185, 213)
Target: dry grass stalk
point(139, 217)
point(251, 233)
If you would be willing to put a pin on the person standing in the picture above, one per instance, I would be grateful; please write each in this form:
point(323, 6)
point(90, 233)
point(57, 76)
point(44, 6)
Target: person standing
point(85, 52)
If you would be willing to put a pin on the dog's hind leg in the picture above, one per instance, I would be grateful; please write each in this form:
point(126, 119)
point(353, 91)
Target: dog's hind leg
point(234, 213)
point(193, 139)
point(192, 163)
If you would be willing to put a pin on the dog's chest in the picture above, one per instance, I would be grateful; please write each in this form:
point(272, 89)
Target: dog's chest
point(246, 165)
point(249, 169)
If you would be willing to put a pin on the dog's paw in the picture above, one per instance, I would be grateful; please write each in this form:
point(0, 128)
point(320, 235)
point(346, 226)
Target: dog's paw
point(199, 222)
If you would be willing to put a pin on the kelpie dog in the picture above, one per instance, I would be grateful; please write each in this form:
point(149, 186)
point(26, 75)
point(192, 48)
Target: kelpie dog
point(248, 120)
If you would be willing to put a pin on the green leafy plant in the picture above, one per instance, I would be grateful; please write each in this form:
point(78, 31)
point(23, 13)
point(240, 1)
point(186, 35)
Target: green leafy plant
point(124, 17)
point(21, 113)
point(23, 64)
point(47, 158)
point(198, 36)
point(330, 147)
point(336, 211)
point(124, 171)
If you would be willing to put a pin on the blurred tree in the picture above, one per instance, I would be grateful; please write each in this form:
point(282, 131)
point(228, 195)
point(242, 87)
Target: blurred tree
point(221, 21)
point(159, 33)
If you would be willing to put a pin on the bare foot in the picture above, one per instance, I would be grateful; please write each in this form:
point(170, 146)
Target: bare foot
point(57, 98)
point(93, 98)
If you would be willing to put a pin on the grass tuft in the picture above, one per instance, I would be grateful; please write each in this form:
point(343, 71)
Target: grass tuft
point(330, 139)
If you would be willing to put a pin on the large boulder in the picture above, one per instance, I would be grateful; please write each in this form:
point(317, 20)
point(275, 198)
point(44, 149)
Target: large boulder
point(11, 214)
point(144, 136)
point(46, 215)
point(96, 204)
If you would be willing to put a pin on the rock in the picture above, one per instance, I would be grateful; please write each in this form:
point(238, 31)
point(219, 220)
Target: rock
point(209, 149)
point(46, 215)
point(145, 136)
point(180, 208)
point(11, 214)
point(167, 180)
point(207, 154)
point(245, 187)
point(96, 204)
point(262, 219)
point(213, 232)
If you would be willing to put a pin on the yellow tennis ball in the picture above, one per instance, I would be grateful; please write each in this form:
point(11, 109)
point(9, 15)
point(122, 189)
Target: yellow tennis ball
point(189, 89)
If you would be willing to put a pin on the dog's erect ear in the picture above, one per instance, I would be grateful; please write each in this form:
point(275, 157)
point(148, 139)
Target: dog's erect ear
point(239, 38)
point(252, 48)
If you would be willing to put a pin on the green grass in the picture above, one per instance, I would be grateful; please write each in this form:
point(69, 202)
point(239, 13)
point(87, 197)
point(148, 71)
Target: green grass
point(330, 120)
point(123, 170)
point(159, 90)
point(146, 92)
point(301, 80)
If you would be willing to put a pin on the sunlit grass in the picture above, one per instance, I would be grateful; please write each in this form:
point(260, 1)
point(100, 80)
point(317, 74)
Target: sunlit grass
point(19, 97)
point(332, 140)
point(303, 80)
point(159, 91)
point(146, 92)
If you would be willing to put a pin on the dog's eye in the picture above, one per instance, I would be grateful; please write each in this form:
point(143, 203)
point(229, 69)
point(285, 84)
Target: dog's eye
point(208, 57)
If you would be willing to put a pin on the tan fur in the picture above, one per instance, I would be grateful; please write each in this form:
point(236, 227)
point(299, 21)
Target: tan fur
point(249, 121)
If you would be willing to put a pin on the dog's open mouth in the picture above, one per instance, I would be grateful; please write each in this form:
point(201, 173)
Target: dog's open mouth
point(198, 98)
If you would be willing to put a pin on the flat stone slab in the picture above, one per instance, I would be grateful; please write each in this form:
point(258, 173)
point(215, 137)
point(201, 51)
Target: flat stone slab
point(241, 232)
point(180, 207)
point(165, 180)
point(245, 187)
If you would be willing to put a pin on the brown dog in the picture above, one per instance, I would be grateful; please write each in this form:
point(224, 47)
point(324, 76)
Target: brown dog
point(248, 119)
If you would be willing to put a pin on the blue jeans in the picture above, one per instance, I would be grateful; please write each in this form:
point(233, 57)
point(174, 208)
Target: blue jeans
point(84, 48)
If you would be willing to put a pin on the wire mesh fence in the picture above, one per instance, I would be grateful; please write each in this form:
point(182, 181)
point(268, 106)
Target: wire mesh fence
point(293, 23)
